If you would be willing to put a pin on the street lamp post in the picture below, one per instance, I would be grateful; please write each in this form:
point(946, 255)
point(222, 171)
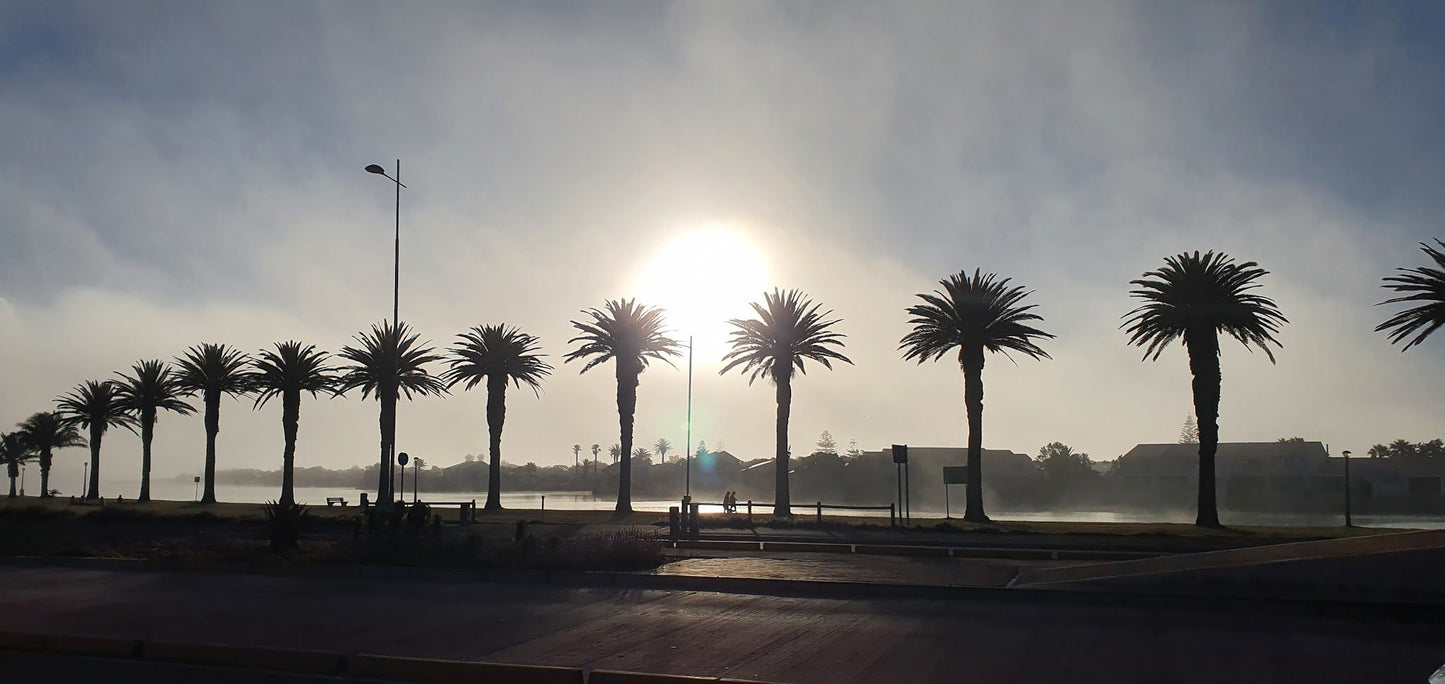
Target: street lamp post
point(22, 480)
point(1348, 521)
point(688, 465)
point(84, 472)
point(395, 322)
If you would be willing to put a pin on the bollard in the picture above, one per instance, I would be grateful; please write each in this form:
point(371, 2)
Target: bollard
point(892, 521)
point(820, 512)
point(672, 522)
point(464, 517)
point(750, 511)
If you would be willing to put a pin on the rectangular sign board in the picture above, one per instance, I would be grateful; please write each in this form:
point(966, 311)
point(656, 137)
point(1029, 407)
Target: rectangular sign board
point(900, 453)
point(955, 475)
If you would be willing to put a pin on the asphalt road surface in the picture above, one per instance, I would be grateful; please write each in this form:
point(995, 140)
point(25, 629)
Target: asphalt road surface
point(772, 638)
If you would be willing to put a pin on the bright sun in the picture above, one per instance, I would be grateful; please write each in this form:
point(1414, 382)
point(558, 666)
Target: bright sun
point(703, 278)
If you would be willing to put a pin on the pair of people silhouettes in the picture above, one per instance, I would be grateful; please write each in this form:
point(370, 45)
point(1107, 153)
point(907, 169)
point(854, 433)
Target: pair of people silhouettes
point(730, 502)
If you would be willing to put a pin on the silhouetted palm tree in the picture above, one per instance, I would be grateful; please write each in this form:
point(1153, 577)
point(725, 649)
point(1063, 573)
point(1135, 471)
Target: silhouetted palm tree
point(1424, 285)
point(388, 363)
point(44, 433)
point(788, 331)
point(150, 388)
point(596, 449)
point(631, 335)
point(213, 371)
point(662, 446)
point(978, 313)
point(14, 450)
point(615, 451)
point(95, 406)
point(287, 372)
point(1196, 297)
point(498, 354)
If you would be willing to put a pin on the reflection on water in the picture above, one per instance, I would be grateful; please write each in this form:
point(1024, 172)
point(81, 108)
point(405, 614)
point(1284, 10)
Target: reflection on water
point(185, 491)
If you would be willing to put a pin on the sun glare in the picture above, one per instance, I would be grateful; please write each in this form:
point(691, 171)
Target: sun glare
point(703, 278)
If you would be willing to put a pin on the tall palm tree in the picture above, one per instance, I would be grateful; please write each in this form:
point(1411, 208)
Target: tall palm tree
point(1422, 284)
point(1197, 297)
point(287, 372)
point(631, 335)
point(615, 451)
point(213, 371)
point(45, 432)
point(596, 449)
point(788, 331)
point(978, 313)
point(500, 355)
point(389, 361)
point(14, 450)
point(150, 388)
point(662, 446)
point(97, 407)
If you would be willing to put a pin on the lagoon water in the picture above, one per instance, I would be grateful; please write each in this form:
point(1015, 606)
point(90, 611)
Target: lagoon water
point(185, 491)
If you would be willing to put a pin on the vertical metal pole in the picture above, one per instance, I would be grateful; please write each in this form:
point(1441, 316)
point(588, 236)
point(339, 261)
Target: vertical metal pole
point(1348, 521)
point(907, 497)
point(947, 514)
point(415, 471)
point(898, 471)
point(688, 466)
point(395, 323)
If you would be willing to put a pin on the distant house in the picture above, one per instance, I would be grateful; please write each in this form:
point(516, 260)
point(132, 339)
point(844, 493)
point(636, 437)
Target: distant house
point(1247, 474)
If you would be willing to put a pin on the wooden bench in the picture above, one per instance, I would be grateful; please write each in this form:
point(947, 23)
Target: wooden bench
point(335, 500)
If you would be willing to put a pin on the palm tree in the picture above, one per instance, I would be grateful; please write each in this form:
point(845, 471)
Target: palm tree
point(389, 362)
point(287, 372)
point(150, 388)
point(662, 446)
point(45, 432)
point(213, 371)
point(615, 451)
point(789, 330)
point(96, 406)
point(1425, 285)
point(632, 336)
point(498, 354)
point(640, 453)
point(596, 449)
point(1196, 297)
point(14, 450)
point(978, 313)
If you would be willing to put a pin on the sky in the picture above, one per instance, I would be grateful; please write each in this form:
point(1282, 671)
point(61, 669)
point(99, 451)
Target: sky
point(174, 173)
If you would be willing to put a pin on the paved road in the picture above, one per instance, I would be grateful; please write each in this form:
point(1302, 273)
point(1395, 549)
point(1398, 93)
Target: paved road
point(828, 641)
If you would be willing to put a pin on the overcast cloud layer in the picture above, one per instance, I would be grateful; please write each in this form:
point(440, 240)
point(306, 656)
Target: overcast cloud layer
point(173, 173)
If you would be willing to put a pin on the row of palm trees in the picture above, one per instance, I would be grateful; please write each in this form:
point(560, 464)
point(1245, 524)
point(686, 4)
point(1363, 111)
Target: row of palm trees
point(1193, 298)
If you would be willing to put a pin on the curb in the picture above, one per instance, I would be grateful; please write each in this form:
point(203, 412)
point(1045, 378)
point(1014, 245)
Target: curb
point(926, 550)
point(376, 667)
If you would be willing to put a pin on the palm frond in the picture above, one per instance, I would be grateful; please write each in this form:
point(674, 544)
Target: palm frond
point(1194, 294)
point(48, 430)
point(390, 357)
point(290, 367)
point(152, 386)
point(622, 330)
point(214, 369)
point(497, 351)
point(788, 330)
point(96, 402)
point(1422, 284)
point(977, 313)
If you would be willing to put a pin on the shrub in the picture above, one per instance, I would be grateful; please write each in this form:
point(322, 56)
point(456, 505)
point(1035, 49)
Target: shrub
point(284, 523)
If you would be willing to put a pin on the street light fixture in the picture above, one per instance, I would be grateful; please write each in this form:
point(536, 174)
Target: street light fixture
point(386, 467)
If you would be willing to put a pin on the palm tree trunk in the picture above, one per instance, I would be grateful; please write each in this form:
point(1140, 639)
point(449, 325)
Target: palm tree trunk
point(626, 407)
point(213, 427)
point(384, 488)
point(782, 502)
point(13, 475)
point(290, 420)
point(973, 403)
point(45, 458)
point(147, 431)
point(97, 431)
point(496, 415)
point(1203, 347)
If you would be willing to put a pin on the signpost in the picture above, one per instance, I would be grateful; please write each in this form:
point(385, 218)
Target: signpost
point(952, 475)
point(198, 488)
point(900, 461)
point(402, 458)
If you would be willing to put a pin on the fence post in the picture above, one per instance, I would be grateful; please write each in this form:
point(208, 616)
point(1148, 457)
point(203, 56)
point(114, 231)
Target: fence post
point(892, 515)
point(820, 512)
point(750, 511)
point(692, 513)
point(672, 522)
